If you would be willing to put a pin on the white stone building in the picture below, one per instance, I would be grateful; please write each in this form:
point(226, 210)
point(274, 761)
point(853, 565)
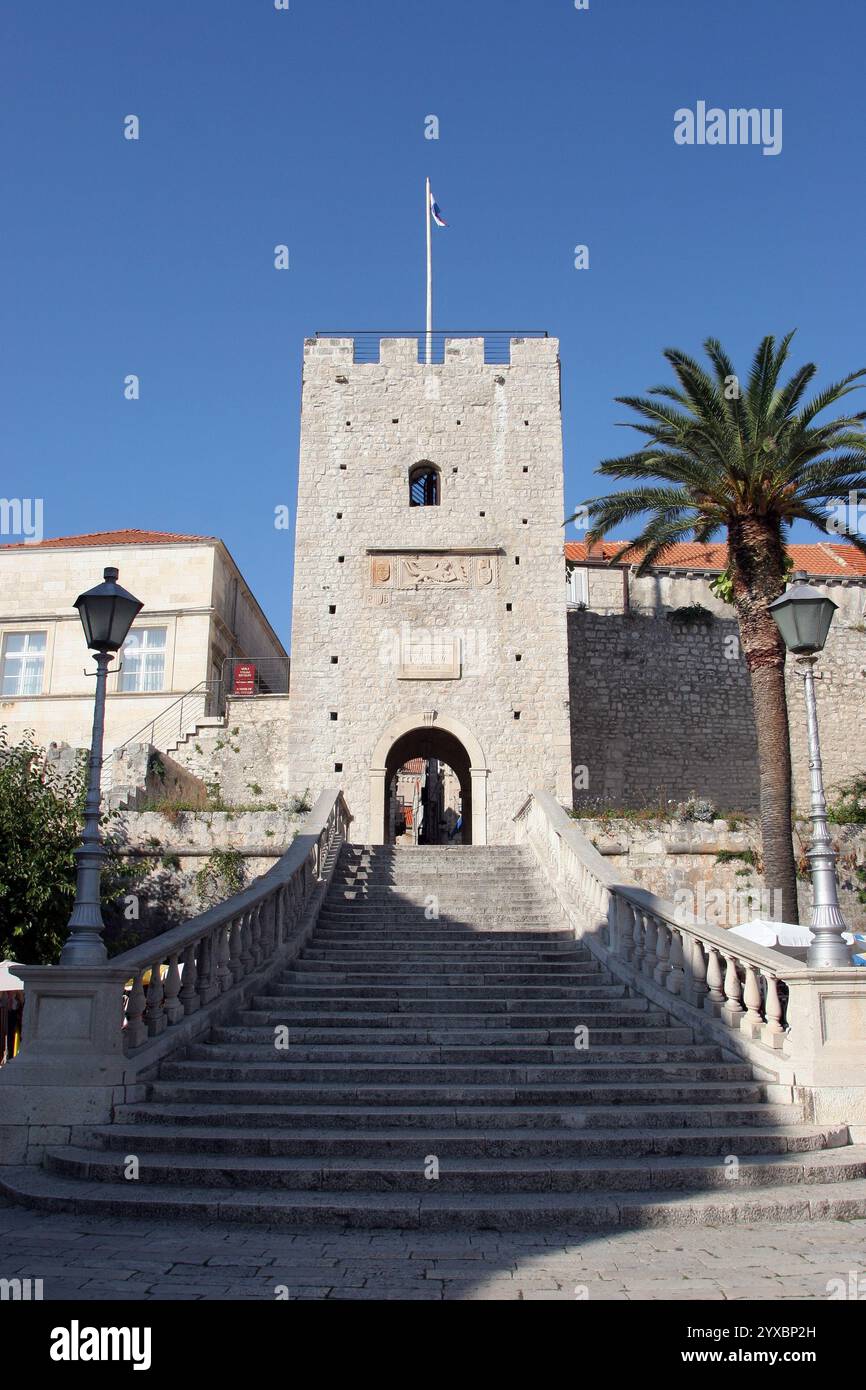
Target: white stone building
point(684, 574)
point(198, 614)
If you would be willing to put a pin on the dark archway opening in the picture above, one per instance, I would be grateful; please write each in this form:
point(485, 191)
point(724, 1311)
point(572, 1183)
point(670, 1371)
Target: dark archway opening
point(438, 753)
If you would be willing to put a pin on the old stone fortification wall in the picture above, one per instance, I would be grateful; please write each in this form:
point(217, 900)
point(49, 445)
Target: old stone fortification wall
point(661, 710)
point(247, 755)
point(668, 856)
point(178, 845)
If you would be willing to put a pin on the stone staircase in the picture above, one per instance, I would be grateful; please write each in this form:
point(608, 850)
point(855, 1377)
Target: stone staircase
point(430, 1027)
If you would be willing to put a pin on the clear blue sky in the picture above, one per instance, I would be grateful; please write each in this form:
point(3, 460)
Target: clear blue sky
point(307, 127)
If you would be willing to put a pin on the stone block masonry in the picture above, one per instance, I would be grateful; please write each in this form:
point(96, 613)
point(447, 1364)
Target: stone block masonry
point(662, 710)
point(659, 713)
point(434, 627)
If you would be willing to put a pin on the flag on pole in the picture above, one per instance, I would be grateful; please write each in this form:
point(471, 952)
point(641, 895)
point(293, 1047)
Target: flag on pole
point(437, 215)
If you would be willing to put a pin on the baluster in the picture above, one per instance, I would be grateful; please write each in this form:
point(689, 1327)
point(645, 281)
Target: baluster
point(676, 979)
point(638, 939)
point(280, 902)
point(270, 909)
point(248, 958)
point(206, 983)
point(153, 1015)
point(773, 1008)
point(613, 925)
point(650, 943)
point(732, 1009)
point(136, 1033)
point(752, 999)
point(224, 975)
point(173, 1006)
point(663, 947)
point(257, 935)
point(188, 992)
point(236, 965)
point(625, 929)
point(715, 982)
point(698, 965)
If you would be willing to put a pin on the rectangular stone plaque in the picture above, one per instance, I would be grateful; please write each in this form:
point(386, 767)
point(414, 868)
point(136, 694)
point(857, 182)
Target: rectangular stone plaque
point(430, 661)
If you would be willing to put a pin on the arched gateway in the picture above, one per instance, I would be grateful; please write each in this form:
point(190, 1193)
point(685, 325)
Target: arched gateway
point(430, 735)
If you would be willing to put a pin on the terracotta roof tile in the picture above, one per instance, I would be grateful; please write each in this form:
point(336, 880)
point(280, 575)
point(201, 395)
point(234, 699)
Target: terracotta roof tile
point(107, 538)
point(824, 558)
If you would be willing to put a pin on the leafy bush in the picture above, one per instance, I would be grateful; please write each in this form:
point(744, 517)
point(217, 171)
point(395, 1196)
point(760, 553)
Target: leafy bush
point(41, 820)
point(692, 615)
point(220, 877)
point(696, 808)
point(850, 806)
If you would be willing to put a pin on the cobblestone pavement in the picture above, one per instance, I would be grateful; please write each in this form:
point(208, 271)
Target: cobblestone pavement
point(97, 1258)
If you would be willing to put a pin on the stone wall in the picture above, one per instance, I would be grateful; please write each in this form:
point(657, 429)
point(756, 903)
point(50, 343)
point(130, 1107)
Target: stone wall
point(140, 773)
point(658, 713)
point(178, 845)
point(662, 710)
point(247, 754)
point(840, 693)
point(668, 856)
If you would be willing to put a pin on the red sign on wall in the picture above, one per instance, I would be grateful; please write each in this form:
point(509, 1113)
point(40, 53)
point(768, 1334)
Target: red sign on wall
point(244, 678)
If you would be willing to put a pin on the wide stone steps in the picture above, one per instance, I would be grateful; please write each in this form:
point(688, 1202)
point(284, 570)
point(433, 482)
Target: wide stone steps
point(439, 1073)
point(353, 1118)
point(395, 1054)
point(488, 972)
point(546, 1174)
point(567, 1093)
point(394, 1036)
point(433, 1210)
point(629, 1016)
point(454, 988)
point(458, 1143)
point(403, 1035)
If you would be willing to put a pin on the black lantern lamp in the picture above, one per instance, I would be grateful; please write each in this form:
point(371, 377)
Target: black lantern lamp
point(107, 613)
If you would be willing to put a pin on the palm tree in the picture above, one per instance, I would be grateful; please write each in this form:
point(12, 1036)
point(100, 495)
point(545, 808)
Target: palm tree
point(747, 461)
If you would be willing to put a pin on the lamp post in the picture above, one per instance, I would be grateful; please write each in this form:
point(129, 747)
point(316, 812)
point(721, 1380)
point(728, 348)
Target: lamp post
point(107, 614)
point(803, 616)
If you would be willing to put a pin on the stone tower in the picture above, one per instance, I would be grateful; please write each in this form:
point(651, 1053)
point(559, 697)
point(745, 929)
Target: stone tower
point(429, 590)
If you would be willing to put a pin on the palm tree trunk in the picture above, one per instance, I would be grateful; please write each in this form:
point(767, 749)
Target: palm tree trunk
point(757, 569)
point(774, 761)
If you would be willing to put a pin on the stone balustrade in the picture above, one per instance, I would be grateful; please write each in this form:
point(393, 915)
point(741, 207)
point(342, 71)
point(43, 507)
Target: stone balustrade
point(94, 1035)
point(802, 1026)
point(184, 969)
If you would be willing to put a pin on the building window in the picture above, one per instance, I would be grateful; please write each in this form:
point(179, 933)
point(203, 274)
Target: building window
point(578, 585)
point(23, 663)
point(143, 660)
point(424, 486)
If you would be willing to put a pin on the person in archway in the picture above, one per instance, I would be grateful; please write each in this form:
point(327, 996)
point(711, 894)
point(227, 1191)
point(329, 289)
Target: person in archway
point(456, 827)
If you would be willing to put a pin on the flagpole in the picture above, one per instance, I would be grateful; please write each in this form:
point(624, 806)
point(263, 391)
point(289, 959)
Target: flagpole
point(428, 355)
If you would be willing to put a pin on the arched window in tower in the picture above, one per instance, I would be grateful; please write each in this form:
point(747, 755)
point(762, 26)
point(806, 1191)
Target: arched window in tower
point(424, 485)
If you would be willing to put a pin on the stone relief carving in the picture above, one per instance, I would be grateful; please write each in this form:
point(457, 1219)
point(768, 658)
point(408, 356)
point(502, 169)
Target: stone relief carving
point(418, 571)
point(433, 571)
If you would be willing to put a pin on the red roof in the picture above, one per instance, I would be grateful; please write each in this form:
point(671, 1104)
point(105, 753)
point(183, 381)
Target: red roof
point(414, 765)
point(108, 538)
point(824, 558)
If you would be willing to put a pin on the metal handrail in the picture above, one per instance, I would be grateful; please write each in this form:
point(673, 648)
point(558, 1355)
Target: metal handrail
point(203, 688)
point(271, 674)
point(497, 341)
